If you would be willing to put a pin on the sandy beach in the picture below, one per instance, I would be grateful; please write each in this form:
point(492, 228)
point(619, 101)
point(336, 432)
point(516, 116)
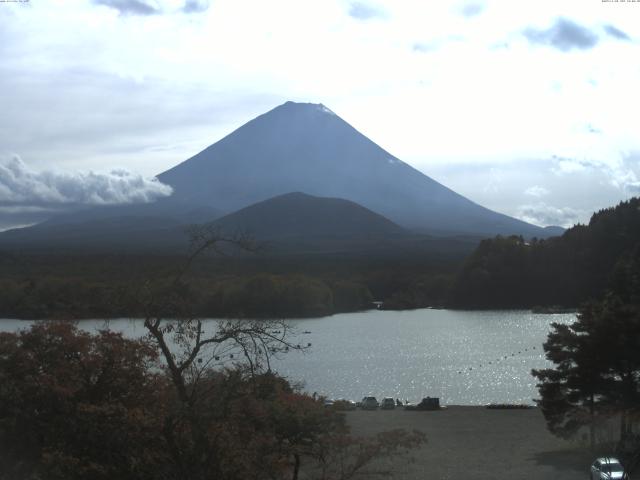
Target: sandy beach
point(473, 443)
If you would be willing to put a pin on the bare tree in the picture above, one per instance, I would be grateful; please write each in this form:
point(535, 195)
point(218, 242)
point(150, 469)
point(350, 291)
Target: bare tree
point(191, 347)
point(193, 350)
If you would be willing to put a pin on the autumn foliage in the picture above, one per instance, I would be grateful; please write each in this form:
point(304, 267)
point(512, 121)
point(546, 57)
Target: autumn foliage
point(75, 405)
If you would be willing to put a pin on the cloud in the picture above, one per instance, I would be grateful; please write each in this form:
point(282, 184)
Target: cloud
point(564, 35)
point(536, 191)
point(616, 33)
point(565, 166)
point(622, 174)
point(423, 48)
point(18, 216)
point(21, 186)
point(195, 6)
point(547, 215)
point(131, 7)
point(365, 11)
point(472, 9)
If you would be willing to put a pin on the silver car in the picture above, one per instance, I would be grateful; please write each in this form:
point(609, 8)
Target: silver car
point(369, 403)
point(607, 468)
point(388, 403)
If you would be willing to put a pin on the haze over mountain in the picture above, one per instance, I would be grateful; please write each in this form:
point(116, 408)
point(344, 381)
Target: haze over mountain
point(347, 187)
point(304, 147)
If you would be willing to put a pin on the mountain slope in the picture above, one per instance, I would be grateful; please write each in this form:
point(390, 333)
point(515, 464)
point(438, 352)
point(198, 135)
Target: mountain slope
point(106, 234)
point(307, 148)
point(301, 215)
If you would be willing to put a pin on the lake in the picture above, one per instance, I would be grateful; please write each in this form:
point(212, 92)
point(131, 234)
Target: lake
point(463, 357)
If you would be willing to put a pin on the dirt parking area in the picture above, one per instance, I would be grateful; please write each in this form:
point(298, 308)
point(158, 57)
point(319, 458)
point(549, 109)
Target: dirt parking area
point(474, 443)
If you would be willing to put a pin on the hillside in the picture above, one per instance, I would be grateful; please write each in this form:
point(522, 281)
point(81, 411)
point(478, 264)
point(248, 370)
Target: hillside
point(301, 215)
point(509, 272)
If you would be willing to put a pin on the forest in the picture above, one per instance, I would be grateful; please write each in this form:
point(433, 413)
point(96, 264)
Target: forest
point(565, 271)
point(501, 273)
point(76, 286)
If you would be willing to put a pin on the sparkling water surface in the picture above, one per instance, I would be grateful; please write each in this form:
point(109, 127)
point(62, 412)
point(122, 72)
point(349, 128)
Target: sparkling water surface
point(463, 357)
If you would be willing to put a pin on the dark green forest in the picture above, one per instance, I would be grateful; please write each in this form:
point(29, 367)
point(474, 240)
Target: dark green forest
point(512, 272)
point(503, 272)
point(68, 286)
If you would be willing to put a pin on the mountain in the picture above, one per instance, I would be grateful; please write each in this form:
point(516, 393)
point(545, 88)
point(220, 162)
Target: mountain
point(297, 223)
point(133, 228)
point(554, 231)
point(131, 233)
point(298, 215)
point(305, 147)
point(294, 222)
point(351, 186)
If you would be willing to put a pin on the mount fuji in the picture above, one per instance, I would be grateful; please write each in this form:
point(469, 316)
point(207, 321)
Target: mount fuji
point(305, 147)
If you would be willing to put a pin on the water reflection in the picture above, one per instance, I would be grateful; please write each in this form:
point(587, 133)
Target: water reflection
point(462, 357)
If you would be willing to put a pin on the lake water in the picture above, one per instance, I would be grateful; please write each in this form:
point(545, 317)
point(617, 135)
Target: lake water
point(465, 358)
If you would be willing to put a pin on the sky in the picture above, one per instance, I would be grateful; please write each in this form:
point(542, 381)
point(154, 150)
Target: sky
point(527, 107)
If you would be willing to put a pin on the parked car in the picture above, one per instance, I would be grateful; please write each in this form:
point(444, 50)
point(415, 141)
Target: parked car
point(344, 404)
point(369, 403)
point(388, 403)
point(607, 468)
point(427, 403)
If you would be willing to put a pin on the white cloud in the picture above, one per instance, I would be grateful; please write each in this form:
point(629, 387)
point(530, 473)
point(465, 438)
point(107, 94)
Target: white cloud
point(620, 171)
point(547, 215)
point(19, 185)
point(570, 165)
point(536, 191)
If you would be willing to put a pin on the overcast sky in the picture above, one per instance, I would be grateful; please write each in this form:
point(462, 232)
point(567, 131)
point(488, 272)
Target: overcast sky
point(526, 107)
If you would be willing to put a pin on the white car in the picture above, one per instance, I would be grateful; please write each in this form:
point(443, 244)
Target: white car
point(607, 468)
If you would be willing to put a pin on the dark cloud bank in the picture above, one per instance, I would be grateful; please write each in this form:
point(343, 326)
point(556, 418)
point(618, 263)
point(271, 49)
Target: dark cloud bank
point(616, 33)
point(130, 7)
point(472, 9)
point(365, 11)
point(141, 7)
point(563, 35)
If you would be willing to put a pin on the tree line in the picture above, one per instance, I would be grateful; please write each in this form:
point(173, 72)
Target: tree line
point(99, 286)
point(513, 272)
